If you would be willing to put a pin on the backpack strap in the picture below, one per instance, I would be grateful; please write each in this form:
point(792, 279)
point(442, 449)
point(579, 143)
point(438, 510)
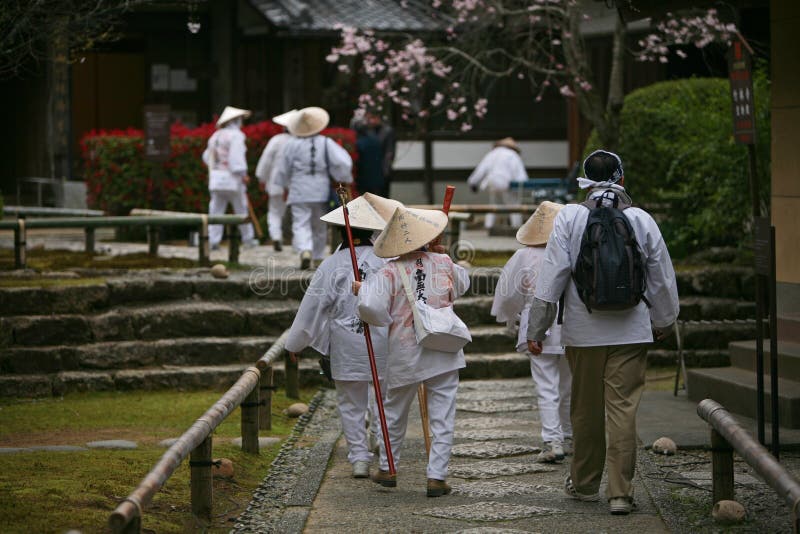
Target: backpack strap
point(560, 319)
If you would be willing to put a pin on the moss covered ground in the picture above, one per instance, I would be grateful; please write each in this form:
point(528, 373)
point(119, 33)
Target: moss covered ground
point(51, 260)
point(57, 491)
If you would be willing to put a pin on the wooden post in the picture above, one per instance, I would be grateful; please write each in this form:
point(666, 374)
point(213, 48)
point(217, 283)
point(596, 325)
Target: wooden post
point(202, 245)
point(250, 422)
point(233, 239)
point(133, 527)
point(265, 387)
point(152, 240)
point(89, 240)
point(292, 379)
point(721, 468)
point(201, 480)
point(20, 239)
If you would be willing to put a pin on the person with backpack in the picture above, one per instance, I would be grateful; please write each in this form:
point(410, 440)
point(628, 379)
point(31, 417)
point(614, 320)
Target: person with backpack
point(413, 295)
point(610, 263)
point(512, 299)
point(308, 167)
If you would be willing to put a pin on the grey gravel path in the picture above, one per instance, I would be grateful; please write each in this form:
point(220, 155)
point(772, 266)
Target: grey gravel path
point(504, 493)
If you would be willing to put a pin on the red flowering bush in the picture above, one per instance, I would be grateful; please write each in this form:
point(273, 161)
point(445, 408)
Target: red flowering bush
point(118, 178)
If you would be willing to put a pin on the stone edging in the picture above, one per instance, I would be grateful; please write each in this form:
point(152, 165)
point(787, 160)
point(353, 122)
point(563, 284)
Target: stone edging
point(282, 501)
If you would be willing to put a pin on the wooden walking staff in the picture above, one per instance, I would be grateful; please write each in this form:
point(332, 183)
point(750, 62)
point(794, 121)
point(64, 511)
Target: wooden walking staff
point(422, 396)
point(342, 192)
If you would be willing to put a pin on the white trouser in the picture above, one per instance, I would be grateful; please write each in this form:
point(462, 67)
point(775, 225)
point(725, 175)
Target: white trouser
point(553, 381)
point(276, 209)
point(502, 197)
point(217, 206)
point(441, 391)
point(354, 402)
point(309, 233)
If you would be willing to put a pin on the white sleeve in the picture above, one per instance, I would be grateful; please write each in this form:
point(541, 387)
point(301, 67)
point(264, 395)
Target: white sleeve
point(341, 164)
point(281, 173)
point(519, 173)
point(237, 155)
point(662, 288)
point(479, 174)
point(374, 299)
point(509, 296)
point(311, 319)
point(556, 269)
point(460, 280)
point(265, 162)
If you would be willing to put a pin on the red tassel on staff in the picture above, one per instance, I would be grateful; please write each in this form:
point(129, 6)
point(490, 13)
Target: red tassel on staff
point(372, 367)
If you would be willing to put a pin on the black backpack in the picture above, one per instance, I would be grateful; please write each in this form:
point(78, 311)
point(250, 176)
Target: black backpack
point(609, 273)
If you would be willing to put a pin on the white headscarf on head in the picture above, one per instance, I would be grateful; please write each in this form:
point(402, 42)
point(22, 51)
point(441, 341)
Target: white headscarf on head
point(586, 183)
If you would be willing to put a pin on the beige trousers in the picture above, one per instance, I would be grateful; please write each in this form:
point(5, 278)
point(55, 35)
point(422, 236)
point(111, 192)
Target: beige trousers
point(607, 384)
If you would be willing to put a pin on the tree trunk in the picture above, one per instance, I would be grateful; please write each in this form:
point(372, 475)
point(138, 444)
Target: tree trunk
point(604, 118)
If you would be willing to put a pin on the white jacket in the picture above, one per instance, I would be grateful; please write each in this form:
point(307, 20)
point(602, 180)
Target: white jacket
point(265, 170)
point(603, 328)
point(229, 152)
point(382, 301)
point(498, 169)
point(301, 168)
point(327, 319)
point(513, 297)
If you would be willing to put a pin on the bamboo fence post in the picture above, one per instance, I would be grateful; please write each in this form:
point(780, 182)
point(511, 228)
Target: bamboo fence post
point(202, 245)
point(292, 379)
point(201, 480)
point(721, 467)
point(89, 240)
point(265, 387)
point(19, 245)
point(233, 238)
point(152, 240)
point(250, 422)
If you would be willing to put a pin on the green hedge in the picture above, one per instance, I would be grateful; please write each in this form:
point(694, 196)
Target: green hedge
point(118, 178)
point(679, 154)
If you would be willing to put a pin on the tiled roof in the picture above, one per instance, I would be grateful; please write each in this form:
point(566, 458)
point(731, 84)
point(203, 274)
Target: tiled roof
point(324, 15)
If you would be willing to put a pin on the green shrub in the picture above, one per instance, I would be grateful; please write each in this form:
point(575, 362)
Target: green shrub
point(677, 147)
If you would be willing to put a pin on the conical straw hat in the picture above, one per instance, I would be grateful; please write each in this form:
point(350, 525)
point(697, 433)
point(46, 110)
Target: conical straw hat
point(368, 211)
point(230, 113)
point(284, 118)
point(308, 122)
point(536, 230)
point(408, 230)
point(508, 142)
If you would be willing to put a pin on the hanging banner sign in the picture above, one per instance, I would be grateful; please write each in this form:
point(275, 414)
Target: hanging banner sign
point(739, 71)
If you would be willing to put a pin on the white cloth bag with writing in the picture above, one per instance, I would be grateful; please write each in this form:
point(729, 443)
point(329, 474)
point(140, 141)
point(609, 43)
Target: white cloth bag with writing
point(435, 328)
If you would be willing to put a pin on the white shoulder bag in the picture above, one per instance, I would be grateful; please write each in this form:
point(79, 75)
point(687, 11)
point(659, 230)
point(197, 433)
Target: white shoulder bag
point(435, 328)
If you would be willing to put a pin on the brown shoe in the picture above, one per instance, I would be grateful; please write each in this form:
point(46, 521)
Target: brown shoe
point(437, 488)
point(384, 478)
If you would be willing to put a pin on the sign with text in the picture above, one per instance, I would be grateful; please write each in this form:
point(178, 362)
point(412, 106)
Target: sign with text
point(744, 123)
point(156, 132)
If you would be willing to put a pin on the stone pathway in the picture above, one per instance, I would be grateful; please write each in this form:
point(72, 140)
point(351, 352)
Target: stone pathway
point(497, 485)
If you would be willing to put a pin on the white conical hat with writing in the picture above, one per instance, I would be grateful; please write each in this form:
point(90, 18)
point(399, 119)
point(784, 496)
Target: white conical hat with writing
point(408, 230)
point(537, 229)
point(284, 118)
point(370, 212)
point(230, 113)
point(308, 122)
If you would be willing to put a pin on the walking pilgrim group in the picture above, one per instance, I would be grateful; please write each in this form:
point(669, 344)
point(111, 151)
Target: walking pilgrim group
point(589, 372)
point(296, 169)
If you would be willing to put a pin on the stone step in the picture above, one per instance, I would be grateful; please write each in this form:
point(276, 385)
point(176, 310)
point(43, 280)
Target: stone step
point(735, 389)
point(150, 378)
point(727, 281)
point(743, 356)
point(150, 322)
point(789, 328)
point(116, 355)
point(700, 335)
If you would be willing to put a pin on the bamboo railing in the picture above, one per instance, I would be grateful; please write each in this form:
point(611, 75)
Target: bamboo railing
point(726, 436)
point(252, 390)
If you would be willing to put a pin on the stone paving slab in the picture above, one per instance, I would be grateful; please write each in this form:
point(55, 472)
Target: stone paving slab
point(522, 488)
